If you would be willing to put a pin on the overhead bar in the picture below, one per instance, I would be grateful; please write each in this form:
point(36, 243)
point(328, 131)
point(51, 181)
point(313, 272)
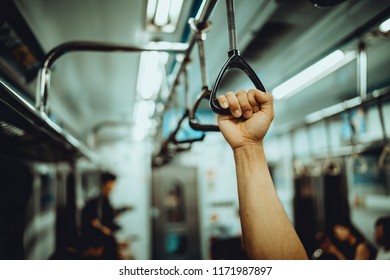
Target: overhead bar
point(81, 46)
point(337, 109)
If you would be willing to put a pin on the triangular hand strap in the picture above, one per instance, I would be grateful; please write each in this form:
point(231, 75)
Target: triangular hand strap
point(194, 123)
point(234, 61)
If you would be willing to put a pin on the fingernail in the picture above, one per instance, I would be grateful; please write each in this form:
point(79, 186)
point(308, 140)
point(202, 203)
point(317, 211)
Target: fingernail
point(225, 105)
point(237, 113)
point(256, 109)
point(247, 114)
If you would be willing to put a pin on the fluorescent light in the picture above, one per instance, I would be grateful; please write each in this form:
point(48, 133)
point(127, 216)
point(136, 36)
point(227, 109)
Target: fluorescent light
point(162, 45)
point(385, 26)
point(314, 73)
point(143, 112)
point(163, 15)
point(150, 74)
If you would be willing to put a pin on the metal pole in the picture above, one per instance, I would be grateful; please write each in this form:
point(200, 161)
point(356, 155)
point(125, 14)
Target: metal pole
point(231, 24)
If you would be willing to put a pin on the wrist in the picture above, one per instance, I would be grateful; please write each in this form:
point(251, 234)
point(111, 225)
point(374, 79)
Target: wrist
point(249, 152)
point(249, 147)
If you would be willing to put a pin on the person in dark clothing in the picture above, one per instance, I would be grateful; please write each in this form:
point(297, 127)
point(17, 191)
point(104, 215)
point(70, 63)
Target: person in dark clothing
point(326, 249)
point(382, 238)
point(89, 247)
point(352, 245)
point(99, 215)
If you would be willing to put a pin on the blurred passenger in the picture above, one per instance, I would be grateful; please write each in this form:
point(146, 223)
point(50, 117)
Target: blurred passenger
point(352, 244)
point(326, 250)
point(382, 238)
point(98, 214)
point(89, 247)
point(266, 229)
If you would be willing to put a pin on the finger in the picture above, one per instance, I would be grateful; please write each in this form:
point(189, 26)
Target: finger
point(252, 100)
point(266, 102)
point(223, 101)
point(234, 105)
point(246, 107)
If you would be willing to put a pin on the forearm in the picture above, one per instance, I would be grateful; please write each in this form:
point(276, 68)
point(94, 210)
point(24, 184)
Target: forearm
point(267, 231)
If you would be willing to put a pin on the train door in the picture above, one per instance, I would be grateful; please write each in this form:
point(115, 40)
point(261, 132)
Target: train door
point(175, 203)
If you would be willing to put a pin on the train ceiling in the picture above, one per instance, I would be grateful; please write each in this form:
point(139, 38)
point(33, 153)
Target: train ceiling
point(278, 38)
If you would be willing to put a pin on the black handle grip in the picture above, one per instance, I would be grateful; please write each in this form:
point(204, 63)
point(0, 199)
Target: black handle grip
point(234, 61)
point(174, 133)
point(193, 122)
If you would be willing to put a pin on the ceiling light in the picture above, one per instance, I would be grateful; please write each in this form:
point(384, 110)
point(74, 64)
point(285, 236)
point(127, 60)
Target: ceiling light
point(143, 112)
point(150, 74)
point(385, 26)
point(314, 73)
point(163, 15)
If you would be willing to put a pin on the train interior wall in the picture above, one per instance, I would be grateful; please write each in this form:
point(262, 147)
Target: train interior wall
point(188, 208)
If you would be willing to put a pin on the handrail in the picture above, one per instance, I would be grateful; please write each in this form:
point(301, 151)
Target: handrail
point(234, 61)
point(201, 18)
point(43, 86)
point(335, 110)
point(172, 137)
point(205, 92)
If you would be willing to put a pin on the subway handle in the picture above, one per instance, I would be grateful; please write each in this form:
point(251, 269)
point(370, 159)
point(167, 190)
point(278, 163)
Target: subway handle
point(237, 62)
point(193, 122)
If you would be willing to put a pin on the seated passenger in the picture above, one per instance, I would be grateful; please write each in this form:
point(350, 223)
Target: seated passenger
point(382, 238)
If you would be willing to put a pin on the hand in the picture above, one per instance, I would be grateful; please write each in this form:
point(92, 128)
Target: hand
point(98, 225)
point(252, 114)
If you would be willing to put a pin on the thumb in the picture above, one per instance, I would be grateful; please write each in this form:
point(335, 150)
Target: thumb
point(266, 102)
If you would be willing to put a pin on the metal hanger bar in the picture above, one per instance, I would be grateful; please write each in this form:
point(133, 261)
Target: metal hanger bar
point(234, 61)
point(201, 18)
point(341, 107)
point(231, 24)
point(202, 59)
point(81, 46)
point(382, 121)
point(205, 93)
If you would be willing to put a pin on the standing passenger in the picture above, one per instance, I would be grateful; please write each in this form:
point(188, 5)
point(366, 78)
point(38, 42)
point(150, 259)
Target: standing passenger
point(98, 214)
point(266, 228)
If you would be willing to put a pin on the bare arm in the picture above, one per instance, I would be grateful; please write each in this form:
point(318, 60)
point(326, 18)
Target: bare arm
point(267, 231)
point(362, 252)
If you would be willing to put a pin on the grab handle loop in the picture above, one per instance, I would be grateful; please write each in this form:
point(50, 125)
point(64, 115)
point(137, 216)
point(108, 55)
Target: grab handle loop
point(194, 123)
point(205, 93)
point(382, 161)
point(176, 141)
point(234, 61)
point(186, 114)
point(359, 164)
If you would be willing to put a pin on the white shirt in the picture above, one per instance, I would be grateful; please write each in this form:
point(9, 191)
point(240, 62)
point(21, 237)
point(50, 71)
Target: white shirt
point(382, 254)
